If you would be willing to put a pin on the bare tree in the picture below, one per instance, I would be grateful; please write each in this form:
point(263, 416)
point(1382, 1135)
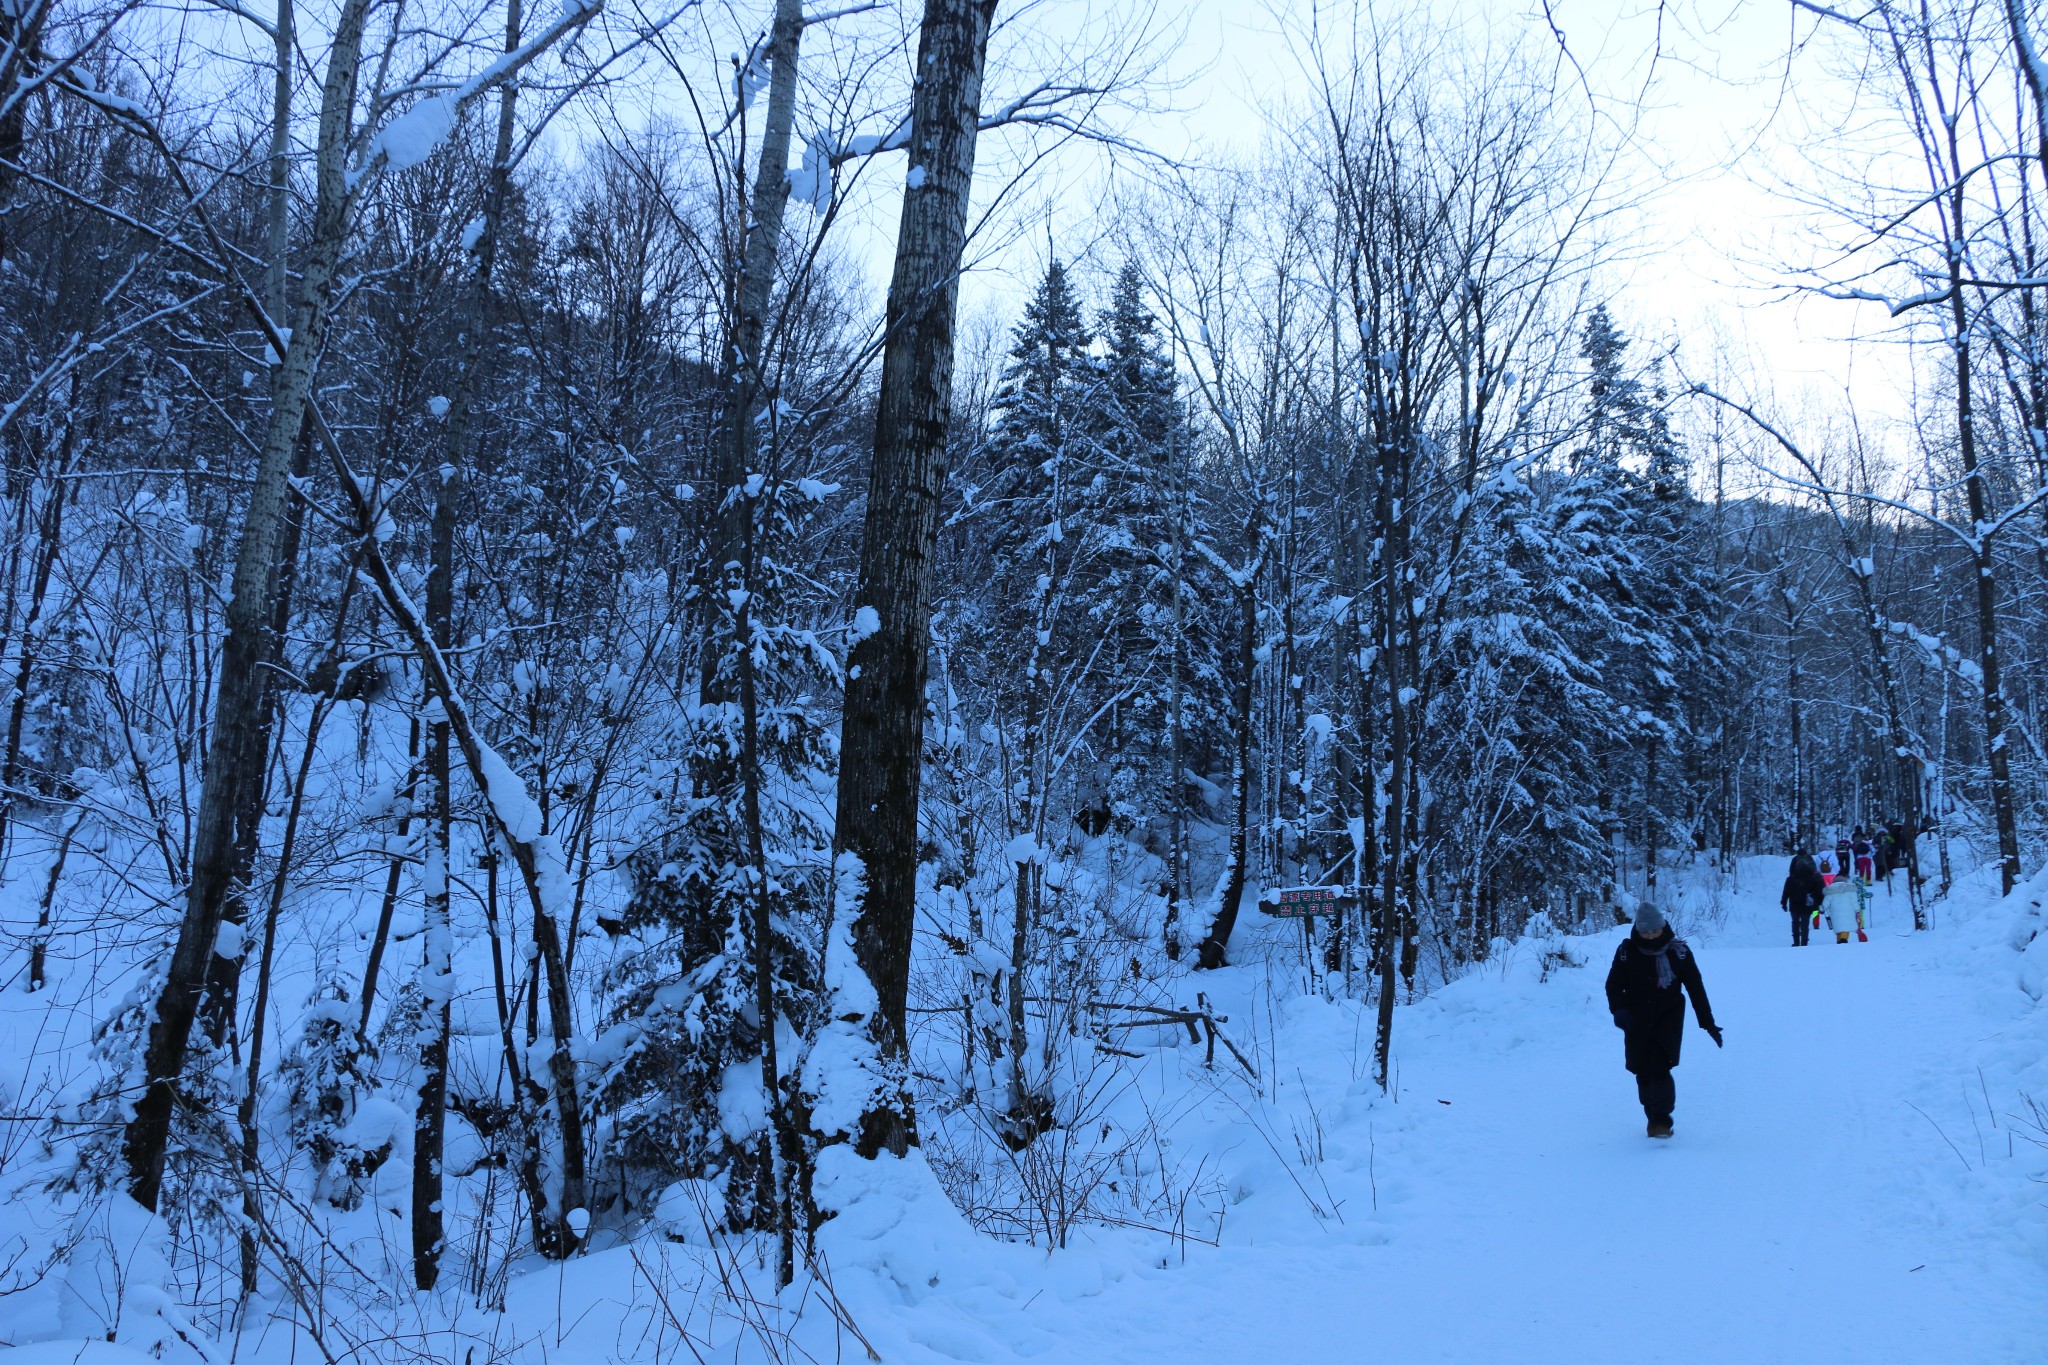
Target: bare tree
point(240, 731)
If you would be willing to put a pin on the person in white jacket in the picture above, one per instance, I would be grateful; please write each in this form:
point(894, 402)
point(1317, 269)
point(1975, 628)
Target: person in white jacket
point(1842, 905)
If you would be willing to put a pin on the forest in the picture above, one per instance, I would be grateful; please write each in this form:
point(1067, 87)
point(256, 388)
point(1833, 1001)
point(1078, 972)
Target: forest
point(553, 690)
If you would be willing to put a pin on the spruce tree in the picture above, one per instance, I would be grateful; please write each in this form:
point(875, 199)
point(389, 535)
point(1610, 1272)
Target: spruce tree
point(1138, 433)
point(1661, 652)
point(1041, 418)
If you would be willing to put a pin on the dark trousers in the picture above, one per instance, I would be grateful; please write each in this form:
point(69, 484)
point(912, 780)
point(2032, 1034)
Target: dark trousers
point(1802, 925)
point(1651, 1051)
point(1659, 1094)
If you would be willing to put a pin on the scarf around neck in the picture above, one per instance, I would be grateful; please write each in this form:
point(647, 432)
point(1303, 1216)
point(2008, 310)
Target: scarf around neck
point(1662, 952)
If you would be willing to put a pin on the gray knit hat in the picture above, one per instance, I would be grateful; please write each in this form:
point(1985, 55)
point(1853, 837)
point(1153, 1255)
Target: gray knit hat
point(1649, 919)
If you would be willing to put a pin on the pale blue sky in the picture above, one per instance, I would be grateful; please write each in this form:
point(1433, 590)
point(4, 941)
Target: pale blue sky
point(1724, 116)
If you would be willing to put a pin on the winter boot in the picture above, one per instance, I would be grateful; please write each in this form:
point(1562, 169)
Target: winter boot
point(1842, 936)
point(1660, 1128)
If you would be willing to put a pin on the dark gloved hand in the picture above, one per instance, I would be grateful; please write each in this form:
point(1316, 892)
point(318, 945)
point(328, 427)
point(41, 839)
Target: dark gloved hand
point(1621, 1019)
point(1714, 1032)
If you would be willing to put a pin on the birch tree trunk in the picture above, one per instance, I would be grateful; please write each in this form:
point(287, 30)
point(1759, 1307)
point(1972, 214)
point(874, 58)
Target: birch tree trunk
point(239, 743)
point(1978, 501)
point(1393, 558)
point(746, 378)
point(50, 527)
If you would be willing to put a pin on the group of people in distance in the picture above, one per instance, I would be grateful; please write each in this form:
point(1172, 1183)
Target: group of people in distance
point(1836, 885)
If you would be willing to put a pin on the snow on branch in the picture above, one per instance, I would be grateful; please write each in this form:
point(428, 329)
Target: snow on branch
point(266, 27)
point(514, 814)
point(35, 70)
point(2030, 56)
point(1042, 106)
point(1895, 306)
point(829, 15)
point(411, 138)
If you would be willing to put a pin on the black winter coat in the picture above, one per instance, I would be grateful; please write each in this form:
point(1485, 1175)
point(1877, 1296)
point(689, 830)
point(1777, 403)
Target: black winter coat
point(1802, 888)
point(1652, 1016)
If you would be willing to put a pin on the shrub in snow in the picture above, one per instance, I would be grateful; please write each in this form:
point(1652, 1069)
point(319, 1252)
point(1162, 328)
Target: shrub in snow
point(199, 1189)
point(326, 1083)
point(65, 720)
point(97, 1166)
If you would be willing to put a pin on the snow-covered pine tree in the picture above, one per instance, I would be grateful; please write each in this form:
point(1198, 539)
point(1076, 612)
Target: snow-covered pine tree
point(1039, 555)
point(739, 838)
point(1517, 736)
point(1657, 641)
point(1138, 432)
point(1043, 410)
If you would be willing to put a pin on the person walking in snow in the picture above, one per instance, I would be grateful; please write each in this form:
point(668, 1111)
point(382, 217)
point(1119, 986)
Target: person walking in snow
point(1826, 865)
point(1802, 894)
point(1842, 902)
point(1900, 836)
point(1643, 994)
point(1865, 854)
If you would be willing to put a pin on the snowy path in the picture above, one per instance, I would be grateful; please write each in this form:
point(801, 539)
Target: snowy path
point(1804, 1212)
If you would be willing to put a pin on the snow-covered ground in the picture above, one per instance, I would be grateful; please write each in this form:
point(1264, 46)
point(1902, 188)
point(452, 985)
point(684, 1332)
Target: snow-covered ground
point(1805, 1211)
point(1853, 1177)
point(1857, 1177)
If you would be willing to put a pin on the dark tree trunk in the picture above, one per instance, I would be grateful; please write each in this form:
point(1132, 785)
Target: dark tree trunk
point(39, 946)
point(21, 43)
point(781, 1145)
point(50, 532)
point(1654, 746)
point(431, 1117)
point(1978, 501)
point(541, 873)
point(883, 730)
point(1210, 953)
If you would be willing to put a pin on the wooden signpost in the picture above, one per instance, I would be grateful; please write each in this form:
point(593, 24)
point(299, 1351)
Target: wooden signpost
point(1307, 904)
point(1303, 902)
